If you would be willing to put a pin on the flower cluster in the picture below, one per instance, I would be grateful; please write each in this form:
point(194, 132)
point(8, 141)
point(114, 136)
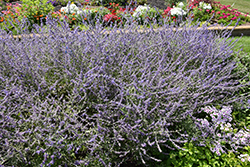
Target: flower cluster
point(140, 10)
point(205, 5)
point(177, 11)
point(224, 13)
point(110, 17)
point(244, 157)
point(222, 129)
point(70, 9)
point(242, 137)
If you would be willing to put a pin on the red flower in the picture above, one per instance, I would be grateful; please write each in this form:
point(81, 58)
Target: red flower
point(113, 12)
point(174, 17)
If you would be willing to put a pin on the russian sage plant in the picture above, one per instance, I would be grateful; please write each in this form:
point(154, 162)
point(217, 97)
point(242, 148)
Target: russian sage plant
point(103, 98)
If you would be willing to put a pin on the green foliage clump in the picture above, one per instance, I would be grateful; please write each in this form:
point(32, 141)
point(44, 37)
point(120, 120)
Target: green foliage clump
point(200, 156)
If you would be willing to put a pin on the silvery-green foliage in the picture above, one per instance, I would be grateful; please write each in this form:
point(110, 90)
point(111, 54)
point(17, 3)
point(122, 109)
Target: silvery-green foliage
point(92, 97)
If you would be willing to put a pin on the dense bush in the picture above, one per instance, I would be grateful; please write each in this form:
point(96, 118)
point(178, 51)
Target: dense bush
point(202, 156)
point(99, 98)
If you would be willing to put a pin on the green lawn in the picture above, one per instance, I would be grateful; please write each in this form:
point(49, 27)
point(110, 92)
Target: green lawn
point(241, 5)
point(243, 43)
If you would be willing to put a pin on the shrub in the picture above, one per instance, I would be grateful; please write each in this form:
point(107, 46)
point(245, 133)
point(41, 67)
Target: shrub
point(103, 99)
point(202, 156)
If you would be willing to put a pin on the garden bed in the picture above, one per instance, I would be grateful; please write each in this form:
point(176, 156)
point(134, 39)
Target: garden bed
point(243, 29)
point(123, 99)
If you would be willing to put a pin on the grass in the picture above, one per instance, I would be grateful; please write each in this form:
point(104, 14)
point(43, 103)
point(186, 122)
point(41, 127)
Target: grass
point(244, 43)
point(241, 5)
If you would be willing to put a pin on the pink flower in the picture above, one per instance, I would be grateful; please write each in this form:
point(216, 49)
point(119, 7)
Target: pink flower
point(233, 18)
point(228, 14)
point(225, 16)
point(109, 17)
point(213, 11)
point(167, 11)
point(218, 12)
point(207, 10)
point(236, 14)
point(122, 9)
point(221, 17)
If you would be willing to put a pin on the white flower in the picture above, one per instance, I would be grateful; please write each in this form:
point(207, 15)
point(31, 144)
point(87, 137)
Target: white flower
point(228, 125)
point(73, 7)
point(205, 123)
point(69, 9)
point(244, 157)
point(177, 11)
point(64, 9)
point(140, 10)
point(205, 5)
point(201, 4)
point(79, 12)
point(181, 4)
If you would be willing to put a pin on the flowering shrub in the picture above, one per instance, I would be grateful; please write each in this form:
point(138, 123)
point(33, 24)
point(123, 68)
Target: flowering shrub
point(12, 13)
point(145, 14)
point(140, 10)
point(89, 98)
point(224, 14)
point(34, 11)
point(220, 14)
